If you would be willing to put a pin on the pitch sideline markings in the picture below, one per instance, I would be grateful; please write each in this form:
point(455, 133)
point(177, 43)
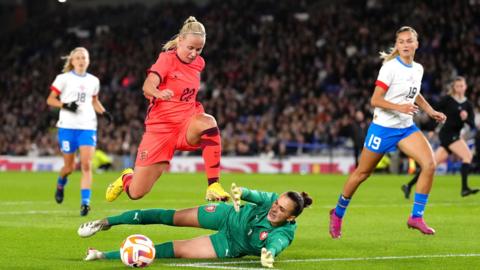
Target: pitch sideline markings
point(36, 202)
point(44, 212)
point(223, 265)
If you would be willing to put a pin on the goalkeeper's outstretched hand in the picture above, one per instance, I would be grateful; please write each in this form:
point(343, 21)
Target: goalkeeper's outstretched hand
point(236, 193)
point(267, 258)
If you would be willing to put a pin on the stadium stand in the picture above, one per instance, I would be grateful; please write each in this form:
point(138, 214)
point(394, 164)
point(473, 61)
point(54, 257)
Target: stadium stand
point(282, 77)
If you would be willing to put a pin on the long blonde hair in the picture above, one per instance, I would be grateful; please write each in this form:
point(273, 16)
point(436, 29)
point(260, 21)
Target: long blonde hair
point(393, 52)
point(67, 67)
point(451, 86)
point(190, 26)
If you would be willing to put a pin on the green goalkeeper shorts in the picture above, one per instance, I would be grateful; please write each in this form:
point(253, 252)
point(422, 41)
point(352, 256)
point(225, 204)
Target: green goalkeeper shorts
point(214, 217)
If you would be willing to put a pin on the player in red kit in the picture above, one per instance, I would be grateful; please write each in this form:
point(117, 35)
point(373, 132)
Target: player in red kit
point(174, 120)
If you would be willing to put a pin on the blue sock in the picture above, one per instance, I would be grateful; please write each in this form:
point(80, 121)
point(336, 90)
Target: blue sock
point(61, 182)
point(341, 206)
point(86, 193)
point(419, 205)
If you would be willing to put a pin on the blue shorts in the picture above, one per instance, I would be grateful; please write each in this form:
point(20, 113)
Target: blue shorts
point(383, 139)
point(70, 139)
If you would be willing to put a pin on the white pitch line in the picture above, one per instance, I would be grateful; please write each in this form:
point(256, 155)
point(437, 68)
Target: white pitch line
point(45, 212)
point(223, 265)
point(211, 266)
point(27, 202)
point(24, 202)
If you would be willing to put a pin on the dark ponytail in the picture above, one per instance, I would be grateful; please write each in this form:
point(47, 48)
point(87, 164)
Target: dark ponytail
point(302, 200)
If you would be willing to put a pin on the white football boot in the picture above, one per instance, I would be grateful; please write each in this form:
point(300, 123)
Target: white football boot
point(93, 254)
point(92, 227)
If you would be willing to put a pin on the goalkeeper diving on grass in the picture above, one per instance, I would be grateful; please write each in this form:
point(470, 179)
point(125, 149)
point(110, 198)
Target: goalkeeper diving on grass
point(264, 226)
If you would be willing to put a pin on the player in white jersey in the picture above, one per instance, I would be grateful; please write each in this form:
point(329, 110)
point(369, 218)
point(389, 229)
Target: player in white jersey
point(75, 92)
point(396, 93)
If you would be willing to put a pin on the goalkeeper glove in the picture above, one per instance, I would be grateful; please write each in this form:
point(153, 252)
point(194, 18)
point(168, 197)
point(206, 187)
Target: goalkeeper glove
point(72, 106)
point(108, 116)
point(236, 196)
point(266, 258)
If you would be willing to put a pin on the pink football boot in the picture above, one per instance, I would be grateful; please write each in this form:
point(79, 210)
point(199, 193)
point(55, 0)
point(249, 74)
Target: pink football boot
point(419, 224)
point(335, 225)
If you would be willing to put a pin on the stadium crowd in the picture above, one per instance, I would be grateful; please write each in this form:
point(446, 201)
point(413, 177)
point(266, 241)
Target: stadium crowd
point(282, 77)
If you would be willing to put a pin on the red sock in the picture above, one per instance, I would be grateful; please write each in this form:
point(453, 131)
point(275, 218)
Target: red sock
point(211, 145)
point(126, 179)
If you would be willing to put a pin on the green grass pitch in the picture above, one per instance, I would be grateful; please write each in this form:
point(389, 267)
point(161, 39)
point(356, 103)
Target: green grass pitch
point(37, 233)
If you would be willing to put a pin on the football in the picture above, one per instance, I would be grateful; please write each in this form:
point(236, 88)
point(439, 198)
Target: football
point(137, 251)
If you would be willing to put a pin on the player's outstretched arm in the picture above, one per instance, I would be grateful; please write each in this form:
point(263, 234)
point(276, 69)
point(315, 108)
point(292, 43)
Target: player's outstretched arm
point(257, 197)
point(276, 243)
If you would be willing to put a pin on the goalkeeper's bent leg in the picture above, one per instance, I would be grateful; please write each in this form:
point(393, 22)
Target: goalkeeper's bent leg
point(150, 216)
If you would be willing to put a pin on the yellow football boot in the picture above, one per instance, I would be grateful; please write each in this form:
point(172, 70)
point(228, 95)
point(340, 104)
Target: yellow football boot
point(215, 192)
point(115, 189)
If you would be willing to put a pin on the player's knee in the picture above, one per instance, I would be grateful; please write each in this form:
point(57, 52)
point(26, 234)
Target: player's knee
point(364, 175)
point(179, 250)
point(69, 168)
point(207, 121)
point(86, 166)
point(467, 159)
point(361, 176)
point(429, 166)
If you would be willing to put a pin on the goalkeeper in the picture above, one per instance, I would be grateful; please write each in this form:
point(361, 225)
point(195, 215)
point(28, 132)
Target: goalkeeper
point(263, 227)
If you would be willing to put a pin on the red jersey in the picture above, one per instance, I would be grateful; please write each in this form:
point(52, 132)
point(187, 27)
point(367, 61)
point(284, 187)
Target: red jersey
point(184, 80)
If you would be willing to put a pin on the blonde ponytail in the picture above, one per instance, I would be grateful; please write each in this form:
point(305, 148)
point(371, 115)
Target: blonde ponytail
point(190, 26)
point(67, 67)
point(393, 52)
point(171, 44)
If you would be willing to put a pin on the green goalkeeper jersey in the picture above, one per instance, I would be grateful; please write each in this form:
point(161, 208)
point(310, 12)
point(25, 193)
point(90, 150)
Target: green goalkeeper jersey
point(249, 230)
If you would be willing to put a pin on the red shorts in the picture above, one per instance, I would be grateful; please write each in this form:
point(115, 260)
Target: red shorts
point(160, 146)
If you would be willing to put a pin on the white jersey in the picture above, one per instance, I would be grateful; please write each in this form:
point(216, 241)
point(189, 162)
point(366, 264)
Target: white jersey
point(80, 89)
point(402, 85)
